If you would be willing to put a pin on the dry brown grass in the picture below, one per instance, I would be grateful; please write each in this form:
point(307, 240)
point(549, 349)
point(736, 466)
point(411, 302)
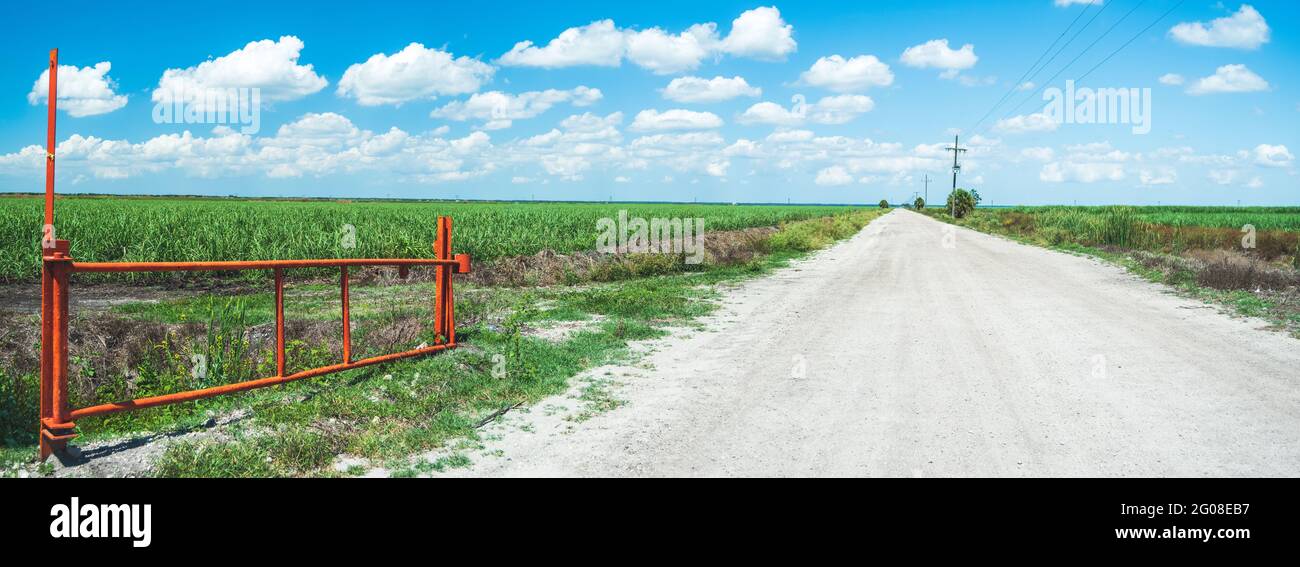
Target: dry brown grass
point(1269, 244)
point(550, 268)
point(1223, 269)
point(1229, 269)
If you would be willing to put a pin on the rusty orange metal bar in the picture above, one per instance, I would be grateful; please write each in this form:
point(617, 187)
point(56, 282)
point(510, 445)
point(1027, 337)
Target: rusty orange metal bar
point(214, 391)
point(56, 421)
point(116, 267)
point(347, 316)
point(279, 322)
point(50, 440)
point(50, 137)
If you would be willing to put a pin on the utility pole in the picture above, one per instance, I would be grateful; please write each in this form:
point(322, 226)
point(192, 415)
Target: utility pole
point(956, 150)
point(927, 189)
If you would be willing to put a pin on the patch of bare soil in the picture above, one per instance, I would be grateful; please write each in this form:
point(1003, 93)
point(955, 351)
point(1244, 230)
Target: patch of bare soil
point(135, 456)
point(26, 297)
point(560, 331)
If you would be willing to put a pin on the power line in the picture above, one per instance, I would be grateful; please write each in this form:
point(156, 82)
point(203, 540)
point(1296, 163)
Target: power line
point(1131, 40)
point(1076, 35)
point(1076, 59)
point(1025, 75)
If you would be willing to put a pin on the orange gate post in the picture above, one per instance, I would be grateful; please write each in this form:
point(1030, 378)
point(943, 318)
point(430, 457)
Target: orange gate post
point(57, 266)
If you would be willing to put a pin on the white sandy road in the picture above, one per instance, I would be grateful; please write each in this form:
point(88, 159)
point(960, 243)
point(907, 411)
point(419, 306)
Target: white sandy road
point(987, 358)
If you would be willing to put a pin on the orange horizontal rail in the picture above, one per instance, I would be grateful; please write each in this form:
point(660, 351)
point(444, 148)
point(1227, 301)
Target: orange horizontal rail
point(117, 267)
point(214, 391)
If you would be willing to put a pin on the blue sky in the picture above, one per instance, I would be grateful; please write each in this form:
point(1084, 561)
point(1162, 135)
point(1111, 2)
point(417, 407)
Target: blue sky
point(661, 101)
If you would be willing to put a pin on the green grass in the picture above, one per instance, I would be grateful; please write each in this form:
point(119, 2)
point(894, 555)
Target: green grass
point(387, 413)
point(115, 229)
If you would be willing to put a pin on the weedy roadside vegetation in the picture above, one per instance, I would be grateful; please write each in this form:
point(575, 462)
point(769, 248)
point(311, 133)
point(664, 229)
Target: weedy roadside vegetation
point(1244, 258)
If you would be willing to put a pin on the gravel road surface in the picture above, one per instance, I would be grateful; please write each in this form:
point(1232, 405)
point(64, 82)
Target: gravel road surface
point(921, 349)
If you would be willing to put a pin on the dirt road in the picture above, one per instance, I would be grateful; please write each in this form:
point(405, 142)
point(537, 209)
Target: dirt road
point(919, 349)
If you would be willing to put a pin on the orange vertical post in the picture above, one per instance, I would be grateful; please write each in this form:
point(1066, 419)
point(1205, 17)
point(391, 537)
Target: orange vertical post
point(440, 279)
point(449, 301)
point(50, 337)
point(47, 358)
point(49, 137)
point(347, 317)
point(61, 275)
point(279, 322)
point(56, 427)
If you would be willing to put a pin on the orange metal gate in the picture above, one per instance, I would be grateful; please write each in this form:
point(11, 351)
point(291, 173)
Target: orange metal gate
point(57, 418)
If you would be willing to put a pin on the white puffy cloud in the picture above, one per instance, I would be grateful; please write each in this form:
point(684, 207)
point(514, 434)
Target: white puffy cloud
point(937, 55)
point(791, 136)
point(1067, 3)
point(1096, 152)
point(30, 159)
point(895, 164)
point(688, 140)
point(1096, 162)
point(566, 167)
point(758, 33)
point(598, 43)
point(497, 110)
point(271, 66)
point(833, 176)
point(384, 144)
point(1229, 79)
point(1245, 29)
point(414, 73)
point(1038, 154)
point(1172, 79)
point(590, 123)
point(838, 74)
point(472, 142)
point(676, 119)
point(839, 109)
point(717, 89)
point(83, 91)
point(1222, 176)
point(689, 152)
point(1087, 172)
point(663, 53)
point(1273, 156)
point(1160, 176)
point(1037, 122)
point(772, 113)
point(326, 129)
